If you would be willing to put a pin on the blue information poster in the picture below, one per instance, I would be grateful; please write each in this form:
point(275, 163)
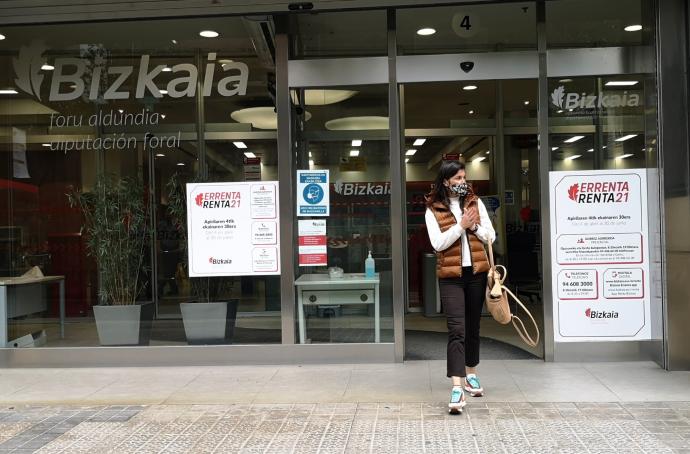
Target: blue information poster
point(312, 193)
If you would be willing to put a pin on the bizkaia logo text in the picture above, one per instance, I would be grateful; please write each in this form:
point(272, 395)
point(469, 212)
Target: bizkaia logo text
point(362, 188)
point(599, 192)
point(589, 313)
point(218, 199)
point(69, 81)
point(214, 261)
point(563, 100)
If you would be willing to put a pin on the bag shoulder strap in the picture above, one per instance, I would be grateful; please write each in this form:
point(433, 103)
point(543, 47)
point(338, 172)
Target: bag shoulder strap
point(521, 330)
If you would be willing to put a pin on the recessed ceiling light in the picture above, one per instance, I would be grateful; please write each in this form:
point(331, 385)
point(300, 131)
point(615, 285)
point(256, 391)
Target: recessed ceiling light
point(167, 69)
point(208, 34)
point(479, 159)
point(47, 67)
point(621, 83)
point(45, 144)
point(357, 143)
point(120, 110)
point(624, 138)
point(575, 156)
point(8, 91)
point(604, 146)
point(224, 61)
point(407, 160)
point(249, 154)
point(526, 103)
point(591, 150)
point(2, 37)
point(240, 144)
point(163, 116)
point(174, 41)
point(311, 162)
point(419, 142)
point(180, 163)
point(427, 31)
point(410, 152)
point(310, 154)
point(469, 87)
point(574, 139)
point(160, 155)
point(625, 156)
point(163, 92)
point(565, 81)
point(560, 111)
point(633, 28)
point(354, 152)
point(554, 148)
point(471, 112)
point(488, 151)
point(570, 110)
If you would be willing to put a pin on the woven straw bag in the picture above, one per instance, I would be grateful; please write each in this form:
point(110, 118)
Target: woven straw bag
point(497, 301)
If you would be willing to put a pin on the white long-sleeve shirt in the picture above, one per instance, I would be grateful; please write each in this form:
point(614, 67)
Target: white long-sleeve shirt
point(443, 240)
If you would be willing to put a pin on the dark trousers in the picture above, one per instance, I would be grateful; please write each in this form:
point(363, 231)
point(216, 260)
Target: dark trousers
point(462, 299)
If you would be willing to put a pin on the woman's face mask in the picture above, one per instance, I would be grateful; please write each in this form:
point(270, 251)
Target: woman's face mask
point(461, 189)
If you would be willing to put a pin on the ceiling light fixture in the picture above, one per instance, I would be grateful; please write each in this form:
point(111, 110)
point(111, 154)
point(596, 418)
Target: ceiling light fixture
point(479, 159)
point(356, 123)
point(419, 142)
point(565, 81)
point(357, 143)
point(354, 153)
point(624, 138)
point(560, 110)
point(471, 112)
point(311, 162)
point(2, 37)
point(45, 144)
point(174, 41)
point(163, 116)
point(488, 151)
point(554, 148)
point(621, 83)
point(260, 117)
point(410, 152)
point(469, 87)
point(47, 67)
point(407, 160)
point(310, 154)
point(208, 34)
point(526, 103)
point(323, 97)
point(121, 110)
point(575, 156)
point(180, 163)
point(591, 150)
point(574, 139)
point(167, 69)
point(240, 144)
point(625, 156)
point(8, 91)
point(633, 28)
point(160, 155)
point(427, 31)
point(163, 92)
point(249, 154)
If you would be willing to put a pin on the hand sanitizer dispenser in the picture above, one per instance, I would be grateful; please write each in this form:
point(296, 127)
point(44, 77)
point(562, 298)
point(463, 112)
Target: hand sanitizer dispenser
point(369, 267)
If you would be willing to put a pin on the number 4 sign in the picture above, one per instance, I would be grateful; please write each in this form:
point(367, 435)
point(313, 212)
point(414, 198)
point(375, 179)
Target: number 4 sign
point(465, 25)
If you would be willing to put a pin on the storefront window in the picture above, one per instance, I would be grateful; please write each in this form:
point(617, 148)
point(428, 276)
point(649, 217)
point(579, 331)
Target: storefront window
point(114, 99)
point(337, 301)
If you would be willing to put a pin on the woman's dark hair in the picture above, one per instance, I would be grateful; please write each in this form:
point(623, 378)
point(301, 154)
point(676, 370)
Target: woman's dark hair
point(446, 172)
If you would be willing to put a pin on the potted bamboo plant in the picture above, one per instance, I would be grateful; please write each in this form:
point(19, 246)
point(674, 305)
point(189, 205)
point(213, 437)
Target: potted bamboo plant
point(118, 231)
point(210, 318)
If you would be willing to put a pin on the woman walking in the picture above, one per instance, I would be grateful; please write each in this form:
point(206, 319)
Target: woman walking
point(459, 226)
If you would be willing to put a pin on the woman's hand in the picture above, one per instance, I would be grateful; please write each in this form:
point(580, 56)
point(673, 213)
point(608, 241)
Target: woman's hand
point(469, 219)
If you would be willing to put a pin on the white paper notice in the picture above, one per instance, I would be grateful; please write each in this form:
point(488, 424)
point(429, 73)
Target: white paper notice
point(233, 229)
point(600, 253)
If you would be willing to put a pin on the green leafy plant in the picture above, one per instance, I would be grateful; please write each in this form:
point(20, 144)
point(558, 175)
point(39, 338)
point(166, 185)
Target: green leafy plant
point(205, 289)
point(118, 231)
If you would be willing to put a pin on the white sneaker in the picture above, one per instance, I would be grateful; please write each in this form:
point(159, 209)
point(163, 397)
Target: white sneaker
point(457, 400)
point(473, 387)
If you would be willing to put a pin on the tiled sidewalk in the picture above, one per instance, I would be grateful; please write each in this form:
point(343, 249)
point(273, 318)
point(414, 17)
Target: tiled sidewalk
point(653, 427)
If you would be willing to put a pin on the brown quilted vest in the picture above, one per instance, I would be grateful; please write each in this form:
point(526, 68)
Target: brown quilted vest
point(449, 261)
